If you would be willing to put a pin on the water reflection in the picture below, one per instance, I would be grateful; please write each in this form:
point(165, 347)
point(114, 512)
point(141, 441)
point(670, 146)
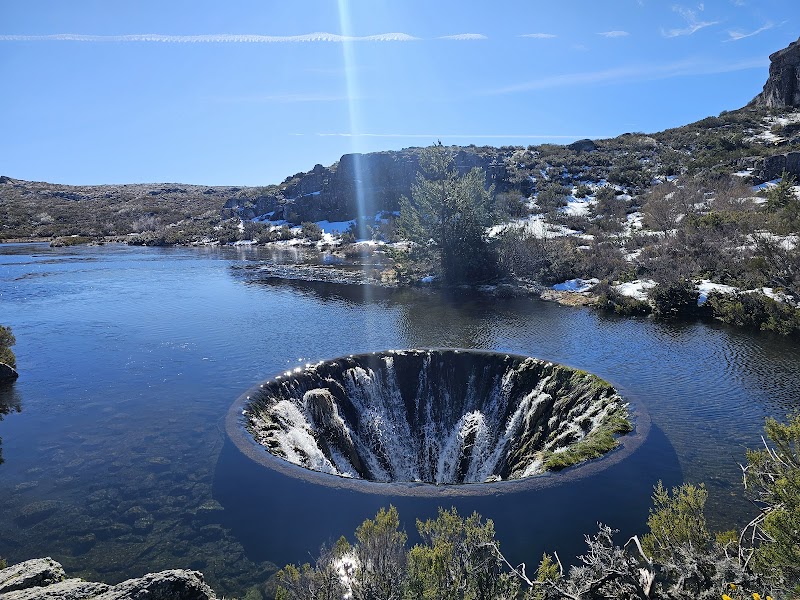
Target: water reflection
point(10, 401)
point(119, 463)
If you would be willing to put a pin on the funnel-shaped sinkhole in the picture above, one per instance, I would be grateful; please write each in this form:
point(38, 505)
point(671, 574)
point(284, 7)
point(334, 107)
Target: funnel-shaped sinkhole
point(436, 416)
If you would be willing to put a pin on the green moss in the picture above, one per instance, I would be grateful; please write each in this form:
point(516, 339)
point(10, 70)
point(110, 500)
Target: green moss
point(71, 240)
point(594, 445)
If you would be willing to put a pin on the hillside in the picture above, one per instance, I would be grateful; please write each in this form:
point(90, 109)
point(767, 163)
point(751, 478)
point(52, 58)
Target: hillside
point(711, 202)
point(757, 142)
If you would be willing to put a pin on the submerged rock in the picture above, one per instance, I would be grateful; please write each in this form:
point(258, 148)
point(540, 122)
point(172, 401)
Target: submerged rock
point(44, 579)
point(7, 373)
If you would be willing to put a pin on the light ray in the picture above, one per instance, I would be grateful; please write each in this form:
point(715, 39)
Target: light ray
point(359, 173)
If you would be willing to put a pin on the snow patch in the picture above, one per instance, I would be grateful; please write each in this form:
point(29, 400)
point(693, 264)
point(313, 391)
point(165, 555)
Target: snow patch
point(705, 287)
point(576, 285)
point(636, 289)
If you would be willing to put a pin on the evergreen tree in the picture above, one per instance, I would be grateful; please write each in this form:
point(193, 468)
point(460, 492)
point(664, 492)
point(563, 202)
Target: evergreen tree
point(448, 215)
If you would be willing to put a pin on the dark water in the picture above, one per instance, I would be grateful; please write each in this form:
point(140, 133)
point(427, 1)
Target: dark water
point(118, 462)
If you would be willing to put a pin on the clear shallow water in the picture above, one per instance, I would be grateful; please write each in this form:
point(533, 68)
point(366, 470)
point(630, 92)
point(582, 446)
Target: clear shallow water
point(118, 462)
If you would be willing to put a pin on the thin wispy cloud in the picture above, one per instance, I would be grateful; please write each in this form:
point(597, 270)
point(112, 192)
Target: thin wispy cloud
point(212, 38)
point(693, 25)
point(629, 74)
point(539, 36)
point(464, 37)
point(285, 98)
point(613, 34)
point(735, 35)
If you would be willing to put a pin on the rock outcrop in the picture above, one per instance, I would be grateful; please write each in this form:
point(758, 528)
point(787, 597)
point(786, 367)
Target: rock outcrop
point(773, 167)
point(783, 84)
point(45, 579)
point(7, 373)
point(586, 145)
point(359, 184)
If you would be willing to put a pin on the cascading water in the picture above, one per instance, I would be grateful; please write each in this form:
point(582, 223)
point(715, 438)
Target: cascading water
point(435, 416)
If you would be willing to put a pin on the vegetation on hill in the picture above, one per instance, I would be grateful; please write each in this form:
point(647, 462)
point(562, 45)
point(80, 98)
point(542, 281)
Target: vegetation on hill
point(678, 557)
point(671, 209)
point(45, 210)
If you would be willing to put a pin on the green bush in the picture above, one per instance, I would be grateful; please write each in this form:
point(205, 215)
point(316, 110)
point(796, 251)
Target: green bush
point(755, 311)
point(311, 231)
point(7, 340)
point(674, 299)
point(70, 240)
point(611, 300)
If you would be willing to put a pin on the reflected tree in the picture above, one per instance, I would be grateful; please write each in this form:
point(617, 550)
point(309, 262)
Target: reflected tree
point(9, 402)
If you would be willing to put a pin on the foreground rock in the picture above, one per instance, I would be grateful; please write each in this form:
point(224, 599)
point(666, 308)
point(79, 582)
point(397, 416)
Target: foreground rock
point(44, 578)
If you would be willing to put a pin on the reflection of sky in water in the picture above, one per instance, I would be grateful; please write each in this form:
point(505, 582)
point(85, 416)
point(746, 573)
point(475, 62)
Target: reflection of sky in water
point(131, 357)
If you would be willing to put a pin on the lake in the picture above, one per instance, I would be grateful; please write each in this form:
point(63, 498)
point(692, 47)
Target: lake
point(118, 463)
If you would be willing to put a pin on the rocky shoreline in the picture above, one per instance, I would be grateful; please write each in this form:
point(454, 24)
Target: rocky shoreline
point(44, 578)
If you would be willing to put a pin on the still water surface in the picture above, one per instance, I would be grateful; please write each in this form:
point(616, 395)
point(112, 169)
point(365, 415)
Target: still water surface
point(118, 463)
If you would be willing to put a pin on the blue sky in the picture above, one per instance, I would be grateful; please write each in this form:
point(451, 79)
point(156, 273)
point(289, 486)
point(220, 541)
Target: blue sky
point(248, 92)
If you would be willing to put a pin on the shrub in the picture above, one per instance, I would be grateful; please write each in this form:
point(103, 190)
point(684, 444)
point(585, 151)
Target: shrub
point(7, 340)
point(70, 240)
point(755, 311)
point(674, 299)
point(311, 231)
point(611, 300)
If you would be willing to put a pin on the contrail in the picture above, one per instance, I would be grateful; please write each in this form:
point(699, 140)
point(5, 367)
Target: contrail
point(212, 38)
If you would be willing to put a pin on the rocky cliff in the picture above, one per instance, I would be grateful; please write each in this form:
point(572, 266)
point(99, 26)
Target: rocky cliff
point(782, 88)
point(358, 184)
point(44, 578)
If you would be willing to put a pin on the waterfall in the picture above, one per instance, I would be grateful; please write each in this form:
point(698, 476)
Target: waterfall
point(436, 416)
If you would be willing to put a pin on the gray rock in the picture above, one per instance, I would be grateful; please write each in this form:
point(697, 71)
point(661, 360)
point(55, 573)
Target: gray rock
point(7, 373)
point(782, 88)
point(31, 573)
point(583, 146)
point(381, 177)
point(773, 167)
point(70, 589)
point(177, 584)
point(44, 579)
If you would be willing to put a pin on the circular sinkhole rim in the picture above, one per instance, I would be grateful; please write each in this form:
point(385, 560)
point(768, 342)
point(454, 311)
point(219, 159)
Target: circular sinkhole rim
point(246, 443)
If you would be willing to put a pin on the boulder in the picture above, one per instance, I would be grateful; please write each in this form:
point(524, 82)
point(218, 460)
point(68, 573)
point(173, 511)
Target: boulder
point(44, 579)
point(772, 167)
point(7, 373)
point(782, 88)
point(583, 146)
point(177, 584)
point(31, 573)
point(69, 589)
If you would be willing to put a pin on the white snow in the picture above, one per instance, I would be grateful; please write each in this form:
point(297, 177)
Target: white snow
point(632, 256)
point(766, 185)
point(635, 220)
point(576, 285)
point(578, 206)
point(705, 287)
point(335, 226)
point(533, 225)
point(636, 289)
